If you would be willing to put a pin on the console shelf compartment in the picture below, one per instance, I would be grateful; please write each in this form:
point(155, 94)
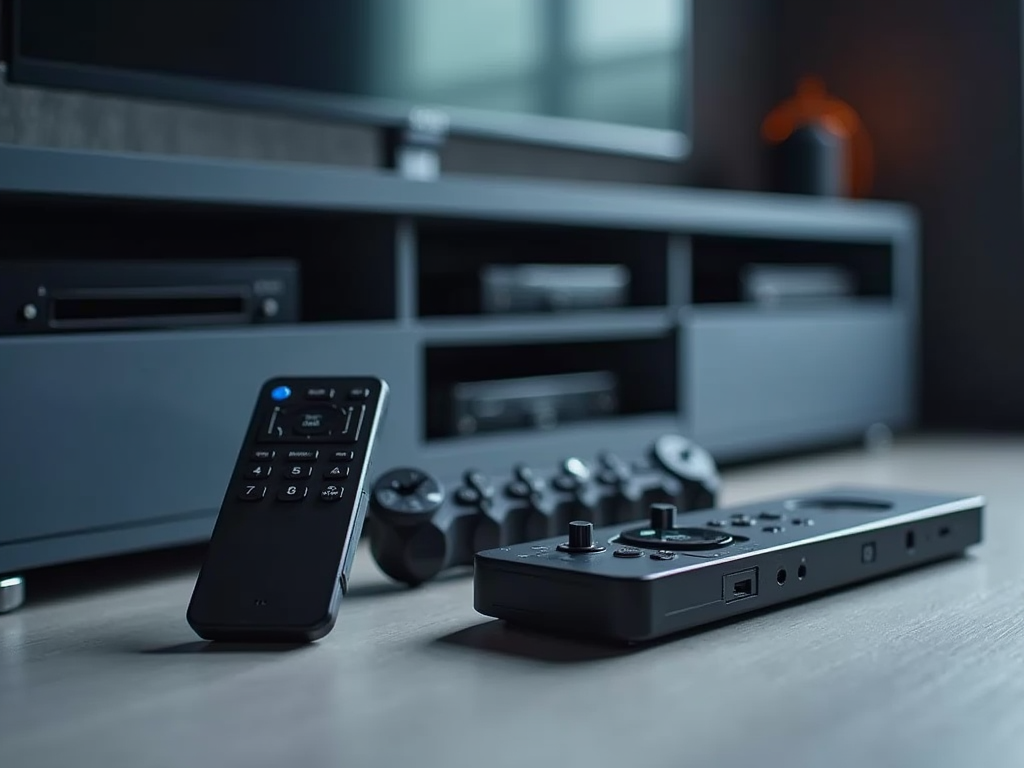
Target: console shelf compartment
point(334, 286)
point(469, 268)
point(476, 390)
point(381, 259)
point(789, 272)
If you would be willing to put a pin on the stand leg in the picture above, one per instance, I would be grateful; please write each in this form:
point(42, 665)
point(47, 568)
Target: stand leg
point(878, 437)
point(12, 593)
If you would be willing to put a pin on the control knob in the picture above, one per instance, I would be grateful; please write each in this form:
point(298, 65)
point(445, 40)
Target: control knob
point(581, 538)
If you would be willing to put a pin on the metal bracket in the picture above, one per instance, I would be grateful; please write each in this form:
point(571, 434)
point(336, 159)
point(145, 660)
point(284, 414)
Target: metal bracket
point(413, 149)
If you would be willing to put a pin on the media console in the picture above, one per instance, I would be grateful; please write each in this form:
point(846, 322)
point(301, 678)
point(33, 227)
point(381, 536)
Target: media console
point(514, 319)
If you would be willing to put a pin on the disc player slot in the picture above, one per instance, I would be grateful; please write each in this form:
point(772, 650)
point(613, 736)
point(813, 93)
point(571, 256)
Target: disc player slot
point(142, 307)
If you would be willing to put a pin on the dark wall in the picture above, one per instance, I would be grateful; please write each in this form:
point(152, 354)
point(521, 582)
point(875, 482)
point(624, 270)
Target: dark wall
point(940, 90)
point(730, 83)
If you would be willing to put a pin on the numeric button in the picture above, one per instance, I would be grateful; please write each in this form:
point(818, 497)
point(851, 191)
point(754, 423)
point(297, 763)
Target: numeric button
point(298, 471)
point(259, 471)
point(252, 492)
point(292, 493)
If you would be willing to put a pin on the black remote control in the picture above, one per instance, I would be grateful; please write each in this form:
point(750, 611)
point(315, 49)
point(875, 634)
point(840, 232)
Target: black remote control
point(420, 526)
point(680, 570)
point(281, 551)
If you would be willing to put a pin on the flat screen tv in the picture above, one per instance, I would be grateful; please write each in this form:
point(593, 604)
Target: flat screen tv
point(601, 75)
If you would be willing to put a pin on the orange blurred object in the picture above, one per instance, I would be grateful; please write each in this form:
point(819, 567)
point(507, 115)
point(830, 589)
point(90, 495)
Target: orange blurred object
point(812, 104)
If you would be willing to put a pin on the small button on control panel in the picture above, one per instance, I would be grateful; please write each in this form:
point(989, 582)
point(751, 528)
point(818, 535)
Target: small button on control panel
point(319, 393)
point(628, 552)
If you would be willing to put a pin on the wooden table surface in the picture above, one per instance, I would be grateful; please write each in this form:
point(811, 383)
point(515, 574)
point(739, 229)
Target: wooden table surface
point(925, 669)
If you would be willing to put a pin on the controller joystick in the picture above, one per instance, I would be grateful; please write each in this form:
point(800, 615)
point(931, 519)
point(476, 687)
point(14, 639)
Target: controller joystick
point(581, 538)
point(663, 516)
point(419, 527)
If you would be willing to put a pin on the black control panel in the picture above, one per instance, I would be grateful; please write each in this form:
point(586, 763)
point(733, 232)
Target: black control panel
point(678, 570)
point(420, 526)
point(282, 547)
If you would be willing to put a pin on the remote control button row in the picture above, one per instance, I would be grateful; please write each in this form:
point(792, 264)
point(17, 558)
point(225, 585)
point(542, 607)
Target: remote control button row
point(318, 394)
point(293, 492)
point(264, 455)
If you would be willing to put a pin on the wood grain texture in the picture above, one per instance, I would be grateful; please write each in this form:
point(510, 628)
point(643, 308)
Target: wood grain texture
point(924, 669)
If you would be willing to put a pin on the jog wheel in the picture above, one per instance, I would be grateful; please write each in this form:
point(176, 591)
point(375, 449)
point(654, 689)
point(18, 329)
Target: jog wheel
point(663, 532)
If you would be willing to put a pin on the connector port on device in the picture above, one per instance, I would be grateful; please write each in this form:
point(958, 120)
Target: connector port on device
point(737, 586)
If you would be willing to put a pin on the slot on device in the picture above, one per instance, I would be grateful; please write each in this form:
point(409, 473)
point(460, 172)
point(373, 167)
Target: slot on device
point(738, 586)
point(129, 308)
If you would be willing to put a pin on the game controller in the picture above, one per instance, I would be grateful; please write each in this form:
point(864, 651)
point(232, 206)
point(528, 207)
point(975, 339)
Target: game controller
point(419, 526)
point(679, 570)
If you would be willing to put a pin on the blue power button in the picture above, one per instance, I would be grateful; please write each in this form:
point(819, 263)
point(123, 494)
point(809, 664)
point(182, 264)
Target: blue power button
point(281, 393)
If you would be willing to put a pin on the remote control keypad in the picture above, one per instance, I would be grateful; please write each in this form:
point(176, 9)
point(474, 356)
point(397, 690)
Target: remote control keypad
point(293, 475)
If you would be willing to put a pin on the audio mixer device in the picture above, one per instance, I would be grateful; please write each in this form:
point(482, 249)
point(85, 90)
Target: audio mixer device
point(679, 570)
point(420, 526)
point(281, 552)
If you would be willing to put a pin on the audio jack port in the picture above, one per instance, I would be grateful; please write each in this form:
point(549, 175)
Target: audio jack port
point(581, 538)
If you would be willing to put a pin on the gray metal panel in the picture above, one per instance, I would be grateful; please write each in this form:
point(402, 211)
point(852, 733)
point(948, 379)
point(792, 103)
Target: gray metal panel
point(146, 535)
point(281, 185)
point(771, 379)
point(115, 429)
point(610, 325)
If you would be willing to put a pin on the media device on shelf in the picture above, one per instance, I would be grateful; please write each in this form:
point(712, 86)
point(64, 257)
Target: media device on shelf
point(420, 525)
point(678, 570)
point(528, 402)
point(279, 558)
point(77, 296)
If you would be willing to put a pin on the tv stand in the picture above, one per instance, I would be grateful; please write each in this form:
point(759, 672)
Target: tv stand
point(413, 148)
point(392, 274)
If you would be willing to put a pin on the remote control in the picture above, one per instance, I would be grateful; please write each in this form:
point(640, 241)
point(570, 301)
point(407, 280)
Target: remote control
point(418, 528)
point(281, 550)
point(680, 570)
